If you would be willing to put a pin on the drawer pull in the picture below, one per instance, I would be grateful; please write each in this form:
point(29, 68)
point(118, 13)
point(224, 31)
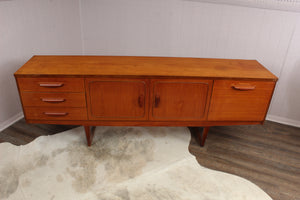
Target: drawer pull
point(49, 100)
point(141, 101)
point(51, 84)
point(56, 113)
point(156, 101)
point(243, 86)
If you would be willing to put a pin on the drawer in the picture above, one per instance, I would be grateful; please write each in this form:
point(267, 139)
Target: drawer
point(49, 113)
point(240, 100)
point(53, 99)
point(51, 84)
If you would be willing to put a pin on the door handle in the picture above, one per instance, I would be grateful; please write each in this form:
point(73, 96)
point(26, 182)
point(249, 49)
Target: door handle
point(141, 101)
point(56, 113)
point(156, 101)
point(53, 100)
point(51, 84)
point(243, 86)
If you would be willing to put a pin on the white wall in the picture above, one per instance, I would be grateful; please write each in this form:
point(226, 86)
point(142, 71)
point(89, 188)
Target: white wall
point(29, 27)
point(195, 29)
point(286, 104)
point(151, 28)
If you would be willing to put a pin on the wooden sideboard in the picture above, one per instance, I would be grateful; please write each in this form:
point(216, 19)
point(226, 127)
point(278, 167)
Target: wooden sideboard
point(144, 91)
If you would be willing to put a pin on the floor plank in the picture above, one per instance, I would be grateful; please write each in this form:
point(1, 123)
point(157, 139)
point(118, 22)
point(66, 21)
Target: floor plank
point(268, 155)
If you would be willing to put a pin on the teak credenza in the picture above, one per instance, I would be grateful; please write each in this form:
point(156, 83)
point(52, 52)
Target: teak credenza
point(144, 91)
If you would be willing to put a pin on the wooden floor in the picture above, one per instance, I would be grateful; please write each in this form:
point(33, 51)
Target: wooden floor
point(267, 155)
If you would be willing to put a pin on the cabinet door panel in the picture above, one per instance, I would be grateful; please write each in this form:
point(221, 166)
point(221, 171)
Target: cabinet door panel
point(119, 99)
point(240, 100)
point(180, 99)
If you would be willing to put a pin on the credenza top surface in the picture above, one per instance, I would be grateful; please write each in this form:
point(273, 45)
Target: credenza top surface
point(144, 66)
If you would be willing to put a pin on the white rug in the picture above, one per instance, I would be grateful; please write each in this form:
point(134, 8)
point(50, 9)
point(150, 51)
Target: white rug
point(123, 163)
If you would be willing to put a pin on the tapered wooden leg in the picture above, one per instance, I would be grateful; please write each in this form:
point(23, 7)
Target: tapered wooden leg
point(89, 133)
point(200, 134)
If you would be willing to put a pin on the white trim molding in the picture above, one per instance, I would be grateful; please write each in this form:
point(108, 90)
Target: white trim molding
point(10, 121)
point(285, 5)
point(283, 120)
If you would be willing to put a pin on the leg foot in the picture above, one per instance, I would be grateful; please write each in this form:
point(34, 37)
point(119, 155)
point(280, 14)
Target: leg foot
point(201, 134)
point(89, 133)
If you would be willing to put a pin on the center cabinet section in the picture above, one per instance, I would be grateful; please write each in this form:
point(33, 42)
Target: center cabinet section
point(117, 99)
point(180, 99)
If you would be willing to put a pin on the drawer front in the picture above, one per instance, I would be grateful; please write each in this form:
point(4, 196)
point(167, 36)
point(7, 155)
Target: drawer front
point(49, 113)
point(53, 99)
point(51, 84)
point(240, 100)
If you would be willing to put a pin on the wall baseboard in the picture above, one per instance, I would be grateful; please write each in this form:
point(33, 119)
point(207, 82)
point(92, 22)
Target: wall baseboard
point(285, 5)
point(11, 120)
point(283, 120)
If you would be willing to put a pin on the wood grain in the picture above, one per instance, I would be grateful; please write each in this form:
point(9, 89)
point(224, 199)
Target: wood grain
point(268, 155)
point(34, 84)
point(53, 99)
point(231, 104)
point(117, 99)
point(151, 91)
point(180, 99)
point(144, 66)
point(57, 113)
point(142, 123)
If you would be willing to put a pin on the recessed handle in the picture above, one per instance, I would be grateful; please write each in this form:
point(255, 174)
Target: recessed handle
point(51, 84)
point(56, 113)
point(141, 101)
point(243, 86)
point(156, 101)
point(53, 100)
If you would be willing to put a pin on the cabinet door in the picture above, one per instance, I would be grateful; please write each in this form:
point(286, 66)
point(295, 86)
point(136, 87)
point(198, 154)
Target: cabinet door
point(185, 99)
point(117, 99)
point(240, 100)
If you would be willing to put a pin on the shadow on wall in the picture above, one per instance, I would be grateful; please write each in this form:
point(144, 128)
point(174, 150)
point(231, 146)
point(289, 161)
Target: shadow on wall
point(10, 99)
point(293, 93)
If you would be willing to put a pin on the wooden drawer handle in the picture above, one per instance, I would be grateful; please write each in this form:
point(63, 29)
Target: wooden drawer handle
point(141, 101)
point(156, 101)
point(53, 100)
point(243, 86)
point(56, 84)
point(56, 113)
